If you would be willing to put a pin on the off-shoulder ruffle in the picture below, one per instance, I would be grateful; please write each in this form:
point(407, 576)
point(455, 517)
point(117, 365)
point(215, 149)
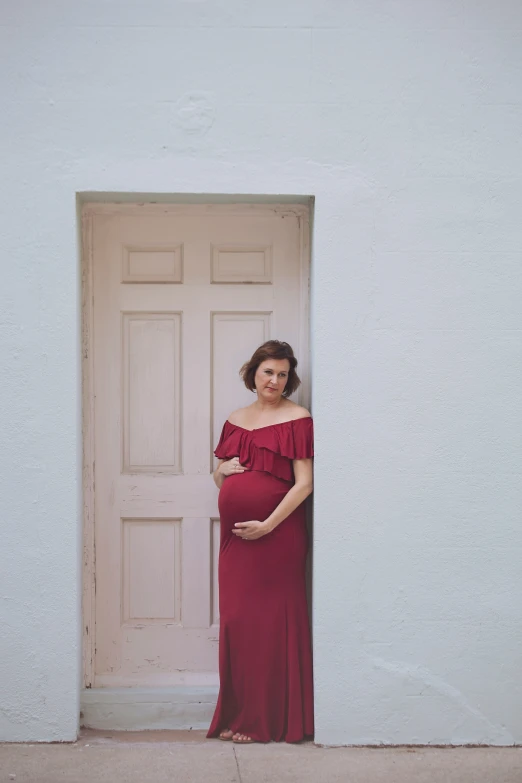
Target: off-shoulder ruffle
point(268, 449)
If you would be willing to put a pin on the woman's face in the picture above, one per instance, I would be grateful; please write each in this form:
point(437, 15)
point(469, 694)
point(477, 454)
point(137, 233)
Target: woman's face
point(271, 378)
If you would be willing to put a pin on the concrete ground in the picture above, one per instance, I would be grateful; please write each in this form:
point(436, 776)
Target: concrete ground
point(186, 757)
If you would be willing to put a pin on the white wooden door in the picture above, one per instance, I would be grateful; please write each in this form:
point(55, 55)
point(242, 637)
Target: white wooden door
point(182, 296)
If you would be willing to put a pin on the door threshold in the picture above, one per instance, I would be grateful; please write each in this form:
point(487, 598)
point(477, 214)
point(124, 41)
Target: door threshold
point(177, 707)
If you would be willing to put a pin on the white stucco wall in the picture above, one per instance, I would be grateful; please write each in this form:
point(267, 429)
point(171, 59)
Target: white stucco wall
point(403, 118)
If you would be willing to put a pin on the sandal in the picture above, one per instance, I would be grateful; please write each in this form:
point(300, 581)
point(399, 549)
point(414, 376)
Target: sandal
point(223, 735)
point(242, 739)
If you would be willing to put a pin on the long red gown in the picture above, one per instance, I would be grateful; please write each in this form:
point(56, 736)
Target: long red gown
point(265, 659)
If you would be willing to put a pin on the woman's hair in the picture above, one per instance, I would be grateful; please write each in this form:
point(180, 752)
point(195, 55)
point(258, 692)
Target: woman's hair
point(273, 349)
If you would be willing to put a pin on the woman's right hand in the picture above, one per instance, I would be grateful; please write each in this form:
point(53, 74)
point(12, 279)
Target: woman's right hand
point(231, 466)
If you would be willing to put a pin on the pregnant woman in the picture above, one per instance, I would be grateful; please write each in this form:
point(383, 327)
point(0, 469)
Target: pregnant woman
point(264, 475)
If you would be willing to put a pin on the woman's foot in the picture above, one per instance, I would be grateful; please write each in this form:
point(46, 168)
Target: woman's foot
point(226, 735)
point(242, 739)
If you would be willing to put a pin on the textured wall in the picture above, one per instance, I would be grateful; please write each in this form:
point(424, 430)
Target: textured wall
point(404, 119)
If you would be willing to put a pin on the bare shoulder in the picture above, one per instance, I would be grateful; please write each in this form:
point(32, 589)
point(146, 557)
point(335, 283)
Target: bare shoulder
point(238, 417)
point(298, 412)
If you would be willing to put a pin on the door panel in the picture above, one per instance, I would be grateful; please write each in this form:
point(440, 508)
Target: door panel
point(181, 300)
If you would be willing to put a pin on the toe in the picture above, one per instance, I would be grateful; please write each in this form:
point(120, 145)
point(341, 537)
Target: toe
point(242, 738)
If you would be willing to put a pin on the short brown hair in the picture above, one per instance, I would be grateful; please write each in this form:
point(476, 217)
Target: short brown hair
point(272, 349)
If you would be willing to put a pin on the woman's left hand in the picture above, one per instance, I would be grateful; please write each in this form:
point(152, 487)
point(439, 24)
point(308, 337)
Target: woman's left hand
point(249, 531)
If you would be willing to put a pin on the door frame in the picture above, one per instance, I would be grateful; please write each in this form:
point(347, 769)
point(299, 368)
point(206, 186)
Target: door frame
point(88, 211)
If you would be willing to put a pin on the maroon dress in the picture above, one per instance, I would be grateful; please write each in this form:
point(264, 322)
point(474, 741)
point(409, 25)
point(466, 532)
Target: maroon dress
point(265, 659)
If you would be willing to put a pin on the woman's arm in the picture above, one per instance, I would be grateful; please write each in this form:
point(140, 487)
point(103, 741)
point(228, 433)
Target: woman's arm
point(294, 497)
point(302, 488)
point(218, 476)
